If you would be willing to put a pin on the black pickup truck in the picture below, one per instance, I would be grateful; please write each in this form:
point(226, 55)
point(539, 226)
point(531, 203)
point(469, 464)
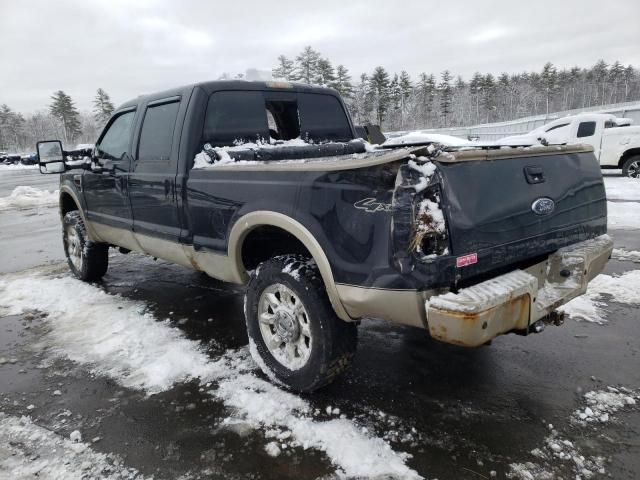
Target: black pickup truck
point(267, 184)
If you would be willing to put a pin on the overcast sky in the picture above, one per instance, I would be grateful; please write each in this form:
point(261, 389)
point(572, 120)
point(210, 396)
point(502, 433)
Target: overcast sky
point(140, 46)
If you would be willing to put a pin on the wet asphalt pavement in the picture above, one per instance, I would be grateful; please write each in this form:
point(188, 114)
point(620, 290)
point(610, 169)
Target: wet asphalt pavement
point(474, 411)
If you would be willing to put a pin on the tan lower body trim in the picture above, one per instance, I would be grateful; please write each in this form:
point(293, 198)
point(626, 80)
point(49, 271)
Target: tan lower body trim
point(213, 264)
point(400, 306)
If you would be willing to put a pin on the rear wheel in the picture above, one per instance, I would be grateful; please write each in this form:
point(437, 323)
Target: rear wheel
point(295, 335)
point(631, 167)
point(87, 260)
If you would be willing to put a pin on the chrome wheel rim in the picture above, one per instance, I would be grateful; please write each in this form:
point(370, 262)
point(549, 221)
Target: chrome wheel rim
point(74, 248)
point(634, 170)
point(284, 325)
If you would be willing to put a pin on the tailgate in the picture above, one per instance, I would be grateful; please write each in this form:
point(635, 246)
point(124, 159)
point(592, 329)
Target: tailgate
point(534, 202)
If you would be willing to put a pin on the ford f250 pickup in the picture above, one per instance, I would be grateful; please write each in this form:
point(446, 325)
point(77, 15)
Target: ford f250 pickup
point(267, 184)
point(615, 141)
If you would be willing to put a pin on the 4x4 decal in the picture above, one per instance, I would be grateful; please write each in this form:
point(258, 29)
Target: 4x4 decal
point(371, 205)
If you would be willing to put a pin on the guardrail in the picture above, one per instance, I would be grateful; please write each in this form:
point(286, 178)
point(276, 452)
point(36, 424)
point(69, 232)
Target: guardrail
point(494, 131)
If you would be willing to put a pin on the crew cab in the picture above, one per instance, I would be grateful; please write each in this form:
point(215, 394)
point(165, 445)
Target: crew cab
point(615, 141)
point(267, 184)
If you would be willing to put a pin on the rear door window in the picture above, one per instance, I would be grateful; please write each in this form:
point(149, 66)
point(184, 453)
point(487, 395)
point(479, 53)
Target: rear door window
point(156, 135)
point(586, 129)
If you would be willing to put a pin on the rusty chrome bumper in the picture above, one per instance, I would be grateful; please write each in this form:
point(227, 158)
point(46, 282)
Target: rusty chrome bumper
point(516, 300)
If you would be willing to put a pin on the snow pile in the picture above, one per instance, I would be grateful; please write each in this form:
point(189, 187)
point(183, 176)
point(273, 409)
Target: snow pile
point(115, 337)
point(28, 197)
point(623, 288)
point(28, 451)
point(623, 215)
point(118, 338)
point(16, 166)
point(625, 255)
point(622, 188)
point(603, 403)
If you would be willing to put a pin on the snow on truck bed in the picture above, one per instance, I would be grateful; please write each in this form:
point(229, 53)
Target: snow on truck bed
point(118, 338)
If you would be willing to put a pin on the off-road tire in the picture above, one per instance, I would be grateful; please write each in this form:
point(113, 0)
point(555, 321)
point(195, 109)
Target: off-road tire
point(631, 167)
point(93, 260)
point(334, 341)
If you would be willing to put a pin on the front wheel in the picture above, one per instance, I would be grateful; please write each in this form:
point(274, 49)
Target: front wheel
point(87, 260)
point(294, 334)
point(631, 167)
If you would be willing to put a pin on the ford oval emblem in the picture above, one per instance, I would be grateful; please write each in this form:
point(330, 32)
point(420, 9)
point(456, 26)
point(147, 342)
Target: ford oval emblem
point(543, 206)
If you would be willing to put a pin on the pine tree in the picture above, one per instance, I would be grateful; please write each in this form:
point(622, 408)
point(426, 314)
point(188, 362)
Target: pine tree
point(64, 110)
point(600, 75)
point(285, 69)
point(616, 74)
point(488, 95)
point(379, 93)
point(426, 93)
point(628, 75)
point(325, 74)
point(342, 82)
point(446, 94)
point(549, 83)
point(307, 65)
point(475, 88)
point(102, 107)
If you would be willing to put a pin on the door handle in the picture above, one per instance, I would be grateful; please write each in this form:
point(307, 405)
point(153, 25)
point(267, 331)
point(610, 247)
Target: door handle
point(534, 174)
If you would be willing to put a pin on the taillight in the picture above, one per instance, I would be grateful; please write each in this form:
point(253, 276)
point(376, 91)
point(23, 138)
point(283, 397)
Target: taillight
point(429, 238)
point(419, 228)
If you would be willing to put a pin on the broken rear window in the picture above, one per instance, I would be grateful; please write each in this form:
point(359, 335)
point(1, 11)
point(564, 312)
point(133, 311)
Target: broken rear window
point(236, 117)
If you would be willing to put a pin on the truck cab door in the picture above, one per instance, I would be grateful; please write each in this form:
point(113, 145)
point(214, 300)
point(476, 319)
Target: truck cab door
point(590, 132)
point(105, 186)
point(152, 182)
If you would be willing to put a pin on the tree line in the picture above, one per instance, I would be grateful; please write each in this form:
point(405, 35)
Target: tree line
point(62, 120)
point(397, 102)
point(394, 100)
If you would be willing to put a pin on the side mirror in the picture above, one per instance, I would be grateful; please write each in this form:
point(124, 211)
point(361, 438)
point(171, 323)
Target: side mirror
point(50, 156)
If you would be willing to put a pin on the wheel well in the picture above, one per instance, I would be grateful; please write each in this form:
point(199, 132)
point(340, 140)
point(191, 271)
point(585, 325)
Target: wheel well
point(67, 204)
point(629, 153)
point(265, 242)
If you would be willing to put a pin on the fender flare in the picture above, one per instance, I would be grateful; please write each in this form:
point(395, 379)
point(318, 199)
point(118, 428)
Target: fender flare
point(64, 189)
point(245, 224)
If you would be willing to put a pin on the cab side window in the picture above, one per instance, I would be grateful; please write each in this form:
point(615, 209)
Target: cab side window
point(115, 141)
point(586, 129)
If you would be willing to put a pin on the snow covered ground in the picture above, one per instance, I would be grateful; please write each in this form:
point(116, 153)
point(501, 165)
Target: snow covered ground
point(28, 451)
point(623, 288)
point(120, 339)
point(600, 407)
point(19, 166)
point(622, 188)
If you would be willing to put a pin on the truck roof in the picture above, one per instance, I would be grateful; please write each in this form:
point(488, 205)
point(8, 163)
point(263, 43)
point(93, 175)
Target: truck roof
point(215, 85)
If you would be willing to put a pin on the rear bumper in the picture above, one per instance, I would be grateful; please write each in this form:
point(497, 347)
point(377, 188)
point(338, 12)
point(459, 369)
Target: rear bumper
point(516, 300)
